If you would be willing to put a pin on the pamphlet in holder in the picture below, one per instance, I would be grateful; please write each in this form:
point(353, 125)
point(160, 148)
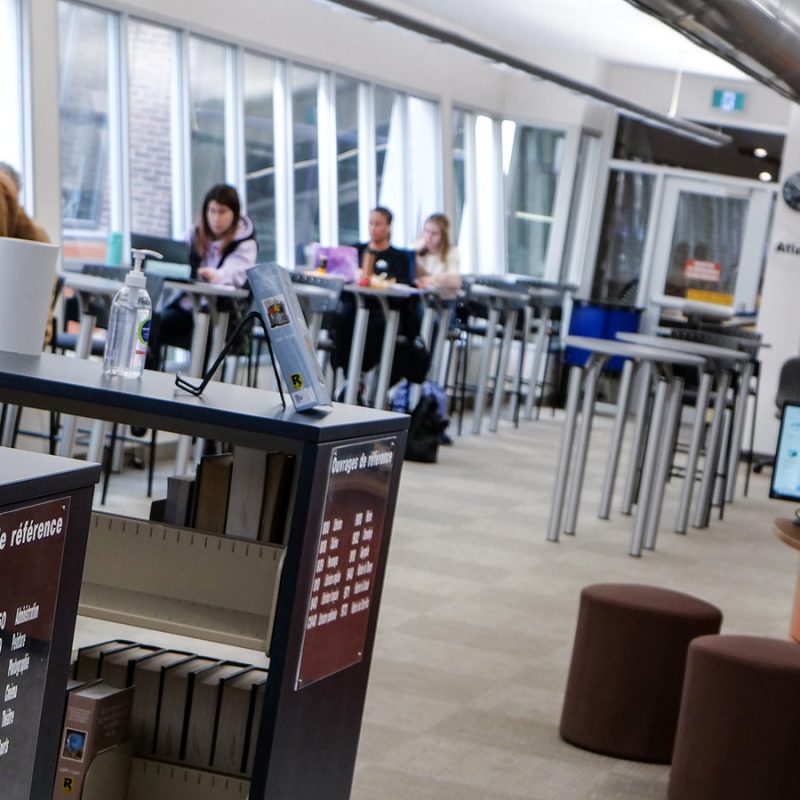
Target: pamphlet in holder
point(286, 329)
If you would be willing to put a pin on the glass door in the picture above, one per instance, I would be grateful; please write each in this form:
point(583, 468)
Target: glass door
point(709, 243)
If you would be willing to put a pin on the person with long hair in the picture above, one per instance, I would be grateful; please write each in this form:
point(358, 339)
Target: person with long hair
point(437, 259)
point(222, 245)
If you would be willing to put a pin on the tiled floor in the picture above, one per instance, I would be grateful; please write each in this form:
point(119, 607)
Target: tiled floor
point(478, 616)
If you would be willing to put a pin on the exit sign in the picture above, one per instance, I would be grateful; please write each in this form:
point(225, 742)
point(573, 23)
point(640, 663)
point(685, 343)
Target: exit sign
point(728, 100)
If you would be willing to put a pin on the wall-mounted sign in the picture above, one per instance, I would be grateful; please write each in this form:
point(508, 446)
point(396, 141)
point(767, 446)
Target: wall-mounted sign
point(727, 100)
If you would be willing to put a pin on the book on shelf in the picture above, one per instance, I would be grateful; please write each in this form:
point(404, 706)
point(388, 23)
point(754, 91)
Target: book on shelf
point(87, 665)
point(211, 496)
point(174, 704)
point(237, 725)
point(277, 493)
point(148, 675)
point(96, 720)
point(248, 479)
point(204, 707)
point(180, 500)
point(117, 668)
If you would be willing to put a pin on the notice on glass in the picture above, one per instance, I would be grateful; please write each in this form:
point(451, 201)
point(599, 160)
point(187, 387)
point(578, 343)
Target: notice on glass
point(348, 549)
point(31, 550)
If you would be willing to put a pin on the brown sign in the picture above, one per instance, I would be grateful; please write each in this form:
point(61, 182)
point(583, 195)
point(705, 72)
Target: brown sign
point(31, 550)
point(347, 561)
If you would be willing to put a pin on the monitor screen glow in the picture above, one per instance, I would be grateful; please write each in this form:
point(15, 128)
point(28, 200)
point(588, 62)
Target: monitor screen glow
point(785, 483)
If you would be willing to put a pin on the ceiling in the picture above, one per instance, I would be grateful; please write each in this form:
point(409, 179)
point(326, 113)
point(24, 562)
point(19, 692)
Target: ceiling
point(612, 30)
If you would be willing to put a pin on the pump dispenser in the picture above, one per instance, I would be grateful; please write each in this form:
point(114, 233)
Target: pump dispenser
point(129, 323)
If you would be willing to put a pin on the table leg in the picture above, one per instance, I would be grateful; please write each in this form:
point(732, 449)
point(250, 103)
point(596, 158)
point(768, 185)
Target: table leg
point(527, 323)
point(738, 429)
point(502, 368)
point(83, 348)
point(617, 434)
point(565, 454)
point(387, 357)
point(438, 361)
point(538, 353)
point(703, 507)
point(356, 351)
point(644, 379)
point(673, 411)
point(483, 371)
point(649, 469)
point(10, 424)
point(582, 446)
point(698, 428)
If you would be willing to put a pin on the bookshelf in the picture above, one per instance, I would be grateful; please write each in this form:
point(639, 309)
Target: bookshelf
point(311, 603)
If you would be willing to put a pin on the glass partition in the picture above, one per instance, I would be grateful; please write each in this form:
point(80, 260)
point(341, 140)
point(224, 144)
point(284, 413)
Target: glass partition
point(304, 93)
point(11, 87)
point(347, 145)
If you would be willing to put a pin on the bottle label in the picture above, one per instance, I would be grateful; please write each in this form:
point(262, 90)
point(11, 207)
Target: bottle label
point(143, 332)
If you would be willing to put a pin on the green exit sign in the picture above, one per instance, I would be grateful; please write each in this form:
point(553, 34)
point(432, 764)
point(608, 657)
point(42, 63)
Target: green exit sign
point(728, 100)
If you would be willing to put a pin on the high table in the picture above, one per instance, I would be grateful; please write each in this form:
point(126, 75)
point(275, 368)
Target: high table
point(724, 361)
point(505, 301)
point(86, 288)
point(206, 314)
point(662, 421)
point(385, 297)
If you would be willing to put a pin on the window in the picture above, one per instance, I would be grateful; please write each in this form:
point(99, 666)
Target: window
point(424, 183)
point(459, 145)
point(85, 108)
point(11, 137)
point(531, 164)
point(624, 232)
point(388, 148)
point(347, 104)
point(208, 81)
point(305, 92)
point(151, 99)
point(259, 142)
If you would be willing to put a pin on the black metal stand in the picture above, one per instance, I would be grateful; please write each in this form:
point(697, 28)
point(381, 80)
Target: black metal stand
point(197, 389)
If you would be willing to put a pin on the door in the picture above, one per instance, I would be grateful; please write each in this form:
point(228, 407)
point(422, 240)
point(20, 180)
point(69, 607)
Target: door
point(709, 243)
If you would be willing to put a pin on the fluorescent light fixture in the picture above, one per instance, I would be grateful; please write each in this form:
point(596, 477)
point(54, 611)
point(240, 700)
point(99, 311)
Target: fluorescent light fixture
point(765, 176)
point(760, 152)
point(676, 125)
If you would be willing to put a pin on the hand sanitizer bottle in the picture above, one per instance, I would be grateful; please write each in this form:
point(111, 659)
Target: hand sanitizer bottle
point(129, 324)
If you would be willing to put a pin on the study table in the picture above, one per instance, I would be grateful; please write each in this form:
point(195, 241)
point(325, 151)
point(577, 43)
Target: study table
point(389, 298)
point(573, 452)
point(788, 531)
point(347, 465)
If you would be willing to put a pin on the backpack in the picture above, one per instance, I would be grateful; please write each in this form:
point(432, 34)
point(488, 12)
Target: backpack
point(424, 434)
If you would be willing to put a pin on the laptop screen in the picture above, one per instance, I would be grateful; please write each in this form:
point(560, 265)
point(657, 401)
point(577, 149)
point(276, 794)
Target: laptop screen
point(785, 483)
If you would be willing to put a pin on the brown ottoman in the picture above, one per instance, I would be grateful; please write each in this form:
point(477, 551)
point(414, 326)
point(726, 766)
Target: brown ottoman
point(626, 675)
point(739, 729)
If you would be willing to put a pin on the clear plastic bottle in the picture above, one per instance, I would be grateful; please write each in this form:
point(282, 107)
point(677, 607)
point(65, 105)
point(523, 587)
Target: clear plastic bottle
point(129, 324)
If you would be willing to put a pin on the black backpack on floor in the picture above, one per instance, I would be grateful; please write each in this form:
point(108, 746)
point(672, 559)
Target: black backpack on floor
point(424, 434)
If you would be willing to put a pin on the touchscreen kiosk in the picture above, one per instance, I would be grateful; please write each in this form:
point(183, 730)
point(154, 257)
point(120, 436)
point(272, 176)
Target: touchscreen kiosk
point(785, 483)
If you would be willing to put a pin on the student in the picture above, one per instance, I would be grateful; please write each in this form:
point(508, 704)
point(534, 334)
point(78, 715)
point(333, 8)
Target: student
point(222, 245)
point(378, 258)
point(437, 259)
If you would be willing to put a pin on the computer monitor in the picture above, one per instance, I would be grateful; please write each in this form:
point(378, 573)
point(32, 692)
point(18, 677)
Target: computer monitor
point(785, 484)
point(174, 251)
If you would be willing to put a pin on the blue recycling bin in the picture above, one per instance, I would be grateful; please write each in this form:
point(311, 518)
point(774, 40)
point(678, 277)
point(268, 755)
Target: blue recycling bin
point(601, 320)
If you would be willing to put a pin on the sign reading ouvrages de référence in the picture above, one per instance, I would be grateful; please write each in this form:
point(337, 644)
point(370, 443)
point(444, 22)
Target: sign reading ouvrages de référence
point(348, 550)
point(31, 551)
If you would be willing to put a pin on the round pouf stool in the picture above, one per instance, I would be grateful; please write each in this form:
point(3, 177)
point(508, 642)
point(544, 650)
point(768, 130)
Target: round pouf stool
point(626, 675)
point(739, 728)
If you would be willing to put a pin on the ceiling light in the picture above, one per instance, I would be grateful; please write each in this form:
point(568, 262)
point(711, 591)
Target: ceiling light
point(765, 176)
point(675, 125)
point(760, 152)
